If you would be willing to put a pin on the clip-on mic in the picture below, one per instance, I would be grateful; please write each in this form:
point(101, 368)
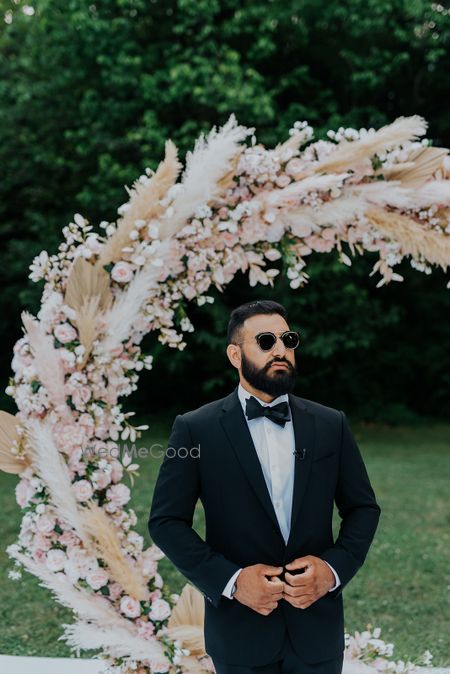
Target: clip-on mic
point(300, 455)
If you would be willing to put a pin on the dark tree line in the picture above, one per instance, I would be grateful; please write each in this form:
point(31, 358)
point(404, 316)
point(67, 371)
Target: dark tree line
point(90, 92)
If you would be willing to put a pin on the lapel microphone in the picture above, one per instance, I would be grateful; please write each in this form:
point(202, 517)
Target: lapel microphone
point(300, 455)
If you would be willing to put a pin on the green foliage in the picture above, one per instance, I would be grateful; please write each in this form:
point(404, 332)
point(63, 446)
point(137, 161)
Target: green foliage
point(90, 92)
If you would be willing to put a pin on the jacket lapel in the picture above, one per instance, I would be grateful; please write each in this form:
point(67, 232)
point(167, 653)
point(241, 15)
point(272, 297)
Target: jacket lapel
point(305, 439)
point(235, 426)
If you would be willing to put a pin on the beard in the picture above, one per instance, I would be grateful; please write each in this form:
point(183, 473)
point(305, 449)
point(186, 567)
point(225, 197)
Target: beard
point(274, 382)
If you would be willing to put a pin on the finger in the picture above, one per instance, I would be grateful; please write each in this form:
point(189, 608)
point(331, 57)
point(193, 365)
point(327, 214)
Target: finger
point(299, 563)
point(296, 592)
point(270, 607)
point(297, 580)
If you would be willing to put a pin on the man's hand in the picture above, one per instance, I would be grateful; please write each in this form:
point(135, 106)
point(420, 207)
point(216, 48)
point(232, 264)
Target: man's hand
point(303, 589)
point(256, 591)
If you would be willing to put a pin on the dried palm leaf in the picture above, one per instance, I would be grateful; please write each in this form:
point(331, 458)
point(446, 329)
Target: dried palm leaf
point(144, 203)
point(9, 437)
point(117, 641)
point(104, 534)
point(50, 465)
point(347, 154)
point(227, 180)
point(206, 166)
point(88, 293)
point(421, 165)
point(46, 361)
point(412, 237)
point(187, 619)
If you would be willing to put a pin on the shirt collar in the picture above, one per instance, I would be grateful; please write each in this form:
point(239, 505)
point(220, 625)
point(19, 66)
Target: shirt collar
point(244, 395)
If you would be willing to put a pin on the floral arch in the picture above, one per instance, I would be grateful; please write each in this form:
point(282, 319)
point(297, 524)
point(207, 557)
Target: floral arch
point(237, 207)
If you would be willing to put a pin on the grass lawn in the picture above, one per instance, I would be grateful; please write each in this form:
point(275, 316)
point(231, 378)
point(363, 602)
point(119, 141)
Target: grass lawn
point(403, 587)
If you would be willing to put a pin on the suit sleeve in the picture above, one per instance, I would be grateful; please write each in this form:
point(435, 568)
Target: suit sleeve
point(175, 495)
point(357, 508)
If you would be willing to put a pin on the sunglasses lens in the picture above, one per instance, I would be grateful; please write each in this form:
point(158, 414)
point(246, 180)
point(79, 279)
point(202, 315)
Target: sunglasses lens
point(266, 341)
point(290, 340)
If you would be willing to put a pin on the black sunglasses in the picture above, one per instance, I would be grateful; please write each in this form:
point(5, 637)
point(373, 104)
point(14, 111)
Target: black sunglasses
point(266, 340)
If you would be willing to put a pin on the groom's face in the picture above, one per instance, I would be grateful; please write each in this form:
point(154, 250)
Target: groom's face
point(274, 371)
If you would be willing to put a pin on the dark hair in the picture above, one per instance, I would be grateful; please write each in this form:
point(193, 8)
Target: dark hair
point(243, 311)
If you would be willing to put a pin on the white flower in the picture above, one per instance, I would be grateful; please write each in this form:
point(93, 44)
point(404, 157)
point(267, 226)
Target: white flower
point(160, 610)
point(72, 570)
point(153, 230)
point(55, 560)
point(39, 266)
point(122, 272)
point(130, 607)
point(272, 254)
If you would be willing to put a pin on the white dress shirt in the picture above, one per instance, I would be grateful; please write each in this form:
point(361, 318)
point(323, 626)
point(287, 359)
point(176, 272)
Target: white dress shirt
point(274, 445)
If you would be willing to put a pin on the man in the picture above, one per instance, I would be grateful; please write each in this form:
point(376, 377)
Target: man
point(267, 466)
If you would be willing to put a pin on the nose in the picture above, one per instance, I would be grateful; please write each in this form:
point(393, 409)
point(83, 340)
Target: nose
point(279, 349)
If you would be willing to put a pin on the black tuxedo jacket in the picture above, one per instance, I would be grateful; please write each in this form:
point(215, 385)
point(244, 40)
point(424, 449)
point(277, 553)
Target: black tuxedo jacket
point(211, 456)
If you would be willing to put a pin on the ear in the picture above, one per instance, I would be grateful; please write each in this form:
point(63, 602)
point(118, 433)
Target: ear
point(234, 355)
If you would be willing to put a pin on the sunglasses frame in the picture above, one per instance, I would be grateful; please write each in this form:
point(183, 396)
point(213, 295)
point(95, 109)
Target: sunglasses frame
point(268, 332)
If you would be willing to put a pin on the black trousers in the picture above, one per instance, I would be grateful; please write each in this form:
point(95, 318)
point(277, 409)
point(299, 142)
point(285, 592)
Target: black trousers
point(288, 663)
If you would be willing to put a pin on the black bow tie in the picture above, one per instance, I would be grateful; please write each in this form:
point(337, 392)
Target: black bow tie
point(278, 413)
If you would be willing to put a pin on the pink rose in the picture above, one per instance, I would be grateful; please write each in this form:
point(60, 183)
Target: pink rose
point(69, 435)
point(45, 524)
point(56, 560)
point(101, 479)
point(115, 590)
point(301, 229)
point(69, 539)
point(24, 491)
point(328, 233)
point(122, 272)
point(158, 581)
point(319, 245)
point(83, 490)
point(80, 396)
point(39, 556)
point(97, 578)
point(86, 422)
point(65, 333)
point(160, 610)
point(41, 542)
point(118, 494)
point(146, 629)
point(116, 471)
point(155, 594)
point(130, 607)
point(159, 666)
point(149, 567)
